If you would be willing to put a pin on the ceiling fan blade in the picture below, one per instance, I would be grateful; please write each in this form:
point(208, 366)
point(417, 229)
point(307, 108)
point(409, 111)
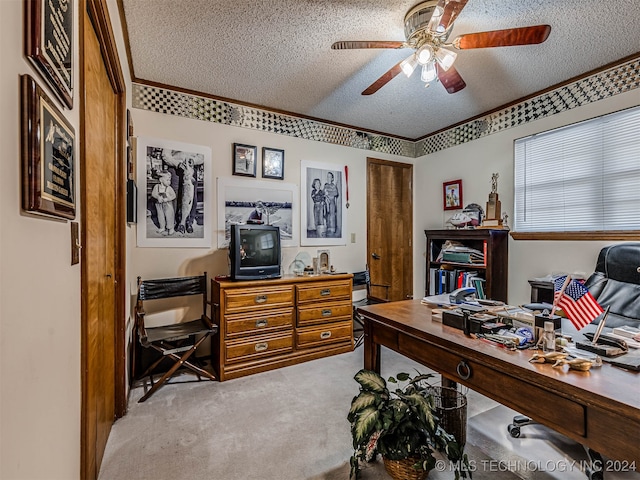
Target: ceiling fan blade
point(347, 45)
point(451, 10)
point(503, 38)
point(383, 80)
point(450, 79)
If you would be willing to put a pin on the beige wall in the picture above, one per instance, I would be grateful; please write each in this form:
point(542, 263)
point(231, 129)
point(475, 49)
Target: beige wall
point(154, 262)
point(39, 300)
point(474, 162)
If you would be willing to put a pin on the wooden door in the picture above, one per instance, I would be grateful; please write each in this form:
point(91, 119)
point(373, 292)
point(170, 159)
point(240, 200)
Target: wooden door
point(103, 379)
point(390, 229)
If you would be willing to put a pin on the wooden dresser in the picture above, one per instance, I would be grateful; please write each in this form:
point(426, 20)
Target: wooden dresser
point(267, 324)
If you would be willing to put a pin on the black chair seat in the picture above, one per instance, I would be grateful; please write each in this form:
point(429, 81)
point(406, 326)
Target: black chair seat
point(179, 331)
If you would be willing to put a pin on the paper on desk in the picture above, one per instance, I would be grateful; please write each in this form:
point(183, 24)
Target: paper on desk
point(443, 301)
point(438, 300)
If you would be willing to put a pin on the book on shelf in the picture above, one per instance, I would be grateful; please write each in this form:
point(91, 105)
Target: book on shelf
point(442, 280)
point(460, 254)
point(462, 257)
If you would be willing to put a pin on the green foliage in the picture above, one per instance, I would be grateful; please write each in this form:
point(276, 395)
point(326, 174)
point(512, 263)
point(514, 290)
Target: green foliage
point(399, 424)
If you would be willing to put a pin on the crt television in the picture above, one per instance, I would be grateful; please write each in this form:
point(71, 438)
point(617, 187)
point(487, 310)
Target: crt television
point(254, 252)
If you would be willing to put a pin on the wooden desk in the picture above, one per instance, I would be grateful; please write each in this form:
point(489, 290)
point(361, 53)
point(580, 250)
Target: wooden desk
point(600, 408)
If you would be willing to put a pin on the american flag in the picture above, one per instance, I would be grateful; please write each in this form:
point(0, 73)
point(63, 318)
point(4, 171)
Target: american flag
point(576, 302)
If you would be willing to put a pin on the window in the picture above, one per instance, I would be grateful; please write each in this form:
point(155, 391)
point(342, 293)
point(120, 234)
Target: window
point(580, 178)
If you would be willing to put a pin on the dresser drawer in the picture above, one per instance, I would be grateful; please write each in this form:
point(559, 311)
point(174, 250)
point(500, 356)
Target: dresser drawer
point(252, 348)
point(315, 292)
point(267, 321)
point(248, 299)
point(324, 312)
point(310, 337)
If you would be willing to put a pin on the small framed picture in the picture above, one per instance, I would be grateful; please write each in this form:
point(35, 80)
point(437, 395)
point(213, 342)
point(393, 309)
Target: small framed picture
point(452, 195)
point(272, 163)
point(244, 160)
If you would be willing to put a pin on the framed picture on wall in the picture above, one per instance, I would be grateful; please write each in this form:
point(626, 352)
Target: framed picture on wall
point(452, 195)
point(323, 204)
point(48, 150)
point(242, 201)
point(49, 44)
point(272, 163)
point(244, 160)
point(174, 194)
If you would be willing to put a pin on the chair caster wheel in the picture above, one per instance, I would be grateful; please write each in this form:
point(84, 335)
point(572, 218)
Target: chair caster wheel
point(514, 430)
point(594, 474)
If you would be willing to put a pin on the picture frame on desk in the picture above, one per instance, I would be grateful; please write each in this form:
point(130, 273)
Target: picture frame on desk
point(452, 195)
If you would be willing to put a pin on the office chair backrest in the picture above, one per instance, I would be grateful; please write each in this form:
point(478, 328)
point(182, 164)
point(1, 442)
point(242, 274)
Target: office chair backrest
point(616, 283)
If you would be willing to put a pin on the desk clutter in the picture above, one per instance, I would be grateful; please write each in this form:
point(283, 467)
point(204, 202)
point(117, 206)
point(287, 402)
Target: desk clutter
point(517, 328)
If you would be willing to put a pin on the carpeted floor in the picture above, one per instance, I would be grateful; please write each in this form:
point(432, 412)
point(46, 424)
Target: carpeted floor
point(290, 424)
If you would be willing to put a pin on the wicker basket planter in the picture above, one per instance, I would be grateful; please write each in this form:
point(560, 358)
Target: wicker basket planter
point(403, 469)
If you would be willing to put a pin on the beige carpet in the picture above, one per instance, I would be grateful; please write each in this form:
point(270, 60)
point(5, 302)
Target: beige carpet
point(290, 424)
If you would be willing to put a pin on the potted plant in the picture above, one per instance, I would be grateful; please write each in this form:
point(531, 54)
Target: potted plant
point(402, 426)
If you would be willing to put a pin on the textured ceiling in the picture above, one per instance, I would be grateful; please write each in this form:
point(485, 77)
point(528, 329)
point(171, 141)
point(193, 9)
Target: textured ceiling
point(277, 54)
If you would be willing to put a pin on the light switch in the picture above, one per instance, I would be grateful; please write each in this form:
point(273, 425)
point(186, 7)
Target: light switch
point(353, 238)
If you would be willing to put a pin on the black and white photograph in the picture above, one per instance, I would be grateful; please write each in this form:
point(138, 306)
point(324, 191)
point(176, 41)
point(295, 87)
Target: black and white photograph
point(174, 194)
point(323, 203)
point(244, 160)
point(242, 201)
point(272, 163)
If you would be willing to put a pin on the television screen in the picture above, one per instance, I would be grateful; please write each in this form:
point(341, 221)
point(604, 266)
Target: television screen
point(254, 252)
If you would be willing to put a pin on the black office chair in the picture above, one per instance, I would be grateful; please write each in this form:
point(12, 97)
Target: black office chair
point(361, 279)
point(615, 283)
point(177, 341)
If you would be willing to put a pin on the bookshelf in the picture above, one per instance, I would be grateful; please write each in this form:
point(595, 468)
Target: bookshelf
point(490, 268)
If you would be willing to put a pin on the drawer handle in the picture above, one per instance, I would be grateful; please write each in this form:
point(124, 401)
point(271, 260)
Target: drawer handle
point(464, 370)
point(327, 312)
point(261, 347)
point(261, 298)
point(263, 322)
point(325, 335)
point(325, 292)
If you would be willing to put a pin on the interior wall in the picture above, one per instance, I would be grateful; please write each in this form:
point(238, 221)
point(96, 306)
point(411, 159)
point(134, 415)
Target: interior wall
point(158, 262)
point(39, 296)
point(474, 162)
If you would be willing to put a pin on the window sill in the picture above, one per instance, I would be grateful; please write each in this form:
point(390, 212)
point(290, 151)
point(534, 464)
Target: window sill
point(599, 235)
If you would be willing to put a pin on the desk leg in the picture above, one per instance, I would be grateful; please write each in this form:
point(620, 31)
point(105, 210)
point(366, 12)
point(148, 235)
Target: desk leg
point(448, 383)
point(371, 349)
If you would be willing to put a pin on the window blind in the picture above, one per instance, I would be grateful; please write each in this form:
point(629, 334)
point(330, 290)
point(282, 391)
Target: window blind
point(582, 177)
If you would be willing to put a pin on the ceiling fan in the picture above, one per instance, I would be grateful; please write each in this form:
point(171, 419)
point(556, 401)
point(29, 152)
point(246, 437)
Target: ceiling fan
point(427, 27)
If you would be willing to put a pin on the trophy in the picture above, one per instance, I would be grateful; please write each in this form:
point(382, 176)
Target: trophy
point(493, 215)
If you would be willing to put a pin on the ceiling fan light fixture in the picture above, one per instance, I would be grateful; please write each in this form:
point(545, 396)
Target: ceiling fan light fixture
point(445, 57)
point(428, 72)
point(434, 21)
point(424, 54)
point(409, 65)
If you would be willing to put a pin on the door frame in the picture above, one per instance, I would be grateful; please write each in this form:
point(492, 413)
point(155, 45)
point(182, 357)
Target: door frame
point(97, 11)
